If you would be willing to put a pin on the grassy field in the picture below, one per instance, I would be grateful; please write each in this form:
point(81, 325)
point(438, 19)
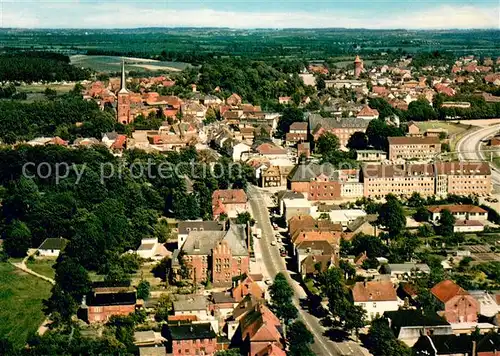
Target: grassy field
point(21, 298)
point(113, 64)
point(43, 266)
point(453, 129)
point(32, 88)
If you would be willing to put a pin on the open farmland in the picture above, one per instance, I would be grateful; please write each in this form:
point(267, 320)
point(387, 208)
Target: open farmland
point(113, 63)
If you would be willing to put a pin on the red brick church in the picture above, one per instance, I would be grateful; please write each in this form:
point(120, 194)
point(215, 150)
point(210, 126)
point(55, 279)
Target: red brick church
point(123, 108)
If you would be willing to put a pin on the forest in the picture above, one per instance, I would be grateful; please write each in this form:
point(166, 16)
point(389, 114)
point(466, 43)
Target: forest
point(31, 66)
point(20, 121)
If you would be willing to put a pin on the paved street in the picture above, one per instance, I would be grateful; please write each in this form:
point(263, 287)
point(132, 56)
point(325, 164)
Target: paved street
point(274, 264)
point(468, 148)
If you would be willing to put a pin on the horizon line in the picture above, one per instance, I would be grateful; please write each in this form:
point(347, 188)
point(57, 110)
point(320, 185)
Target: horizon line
point(256, 28)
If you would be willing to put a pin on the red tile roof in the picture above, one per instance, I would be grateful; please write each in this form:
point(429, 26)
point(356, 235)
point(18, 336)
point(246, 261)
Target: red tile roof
point(413, 140)
point(229, 196)
point(367, 111)
point(456, 208)
point(446, 290)
point(268, 148)
point(374, 291)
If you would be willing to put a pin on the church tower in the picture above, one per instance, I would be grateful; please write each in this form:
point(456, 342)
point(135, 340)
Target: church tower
point(123, 108)
point(358, 67)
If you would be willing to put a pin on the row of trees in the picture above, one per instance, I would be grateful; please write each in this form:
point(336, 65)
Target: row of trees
point(300, 338)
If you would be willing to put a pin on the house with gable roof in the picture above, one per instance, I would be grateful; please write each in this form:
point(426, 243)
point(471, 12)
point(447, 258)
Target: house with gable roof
point(229, 201)
point(375, 297)
point(458, 305)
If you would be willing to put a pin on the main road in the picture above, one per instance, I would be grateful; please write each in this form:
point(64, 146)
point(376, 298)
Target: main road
point(274, 263)
point(469, 148)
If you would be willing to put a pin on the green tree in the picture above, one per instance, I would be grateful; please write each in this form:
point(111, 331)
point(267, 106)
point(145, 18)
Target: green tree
point(327, 142)
point(281, 298)
point(143, 290)
point(244, 218)
point(422, 214)
point(288, 117)
point(392, 216)
point(415, 200)
point(447, 223)
point(300, 339)
point(358, 141)
point(382, 342)
point(17, 239)
point(230, 352)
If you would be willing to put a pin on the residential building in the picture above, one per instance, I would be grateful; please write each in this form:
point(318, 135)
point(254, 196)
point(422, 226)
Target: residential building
point(444, 345)
point(460, 212)
point(196, 306)
point(150, 248)
point(468, 226)
point(318, 182)
point(190, 339)
point(229, 201)
point(346, 83)
point(409, 324)
point(455, 105)
point(442, 178)
point(488, 306)
point(297, 133)
point(185, 227)
point(367, 113)
point(222, 305)
point(304, 150)
point(258, 329)
point(271, 151)
point(220, 255)
point(463, 178)
point(241, 151)
point(404, 271)
point(413, 147)
point(370, 155)
point(99, 305)
point(321, 251)
point(271, 177)
point(458, 305)
point(375, 297)
point(343, 128)
point(413, 129)
point(247, 284)
point(52, 247)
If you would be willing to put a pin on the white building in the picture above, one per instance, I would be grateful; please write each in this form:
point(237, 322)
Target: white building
point(152, 249)
point(375, 297)
point(239, 151)
point(52, 247)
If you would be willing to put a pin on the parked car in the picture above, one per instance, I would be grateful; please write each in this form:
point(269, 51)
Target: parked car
point(273, 243)
point(282, 252)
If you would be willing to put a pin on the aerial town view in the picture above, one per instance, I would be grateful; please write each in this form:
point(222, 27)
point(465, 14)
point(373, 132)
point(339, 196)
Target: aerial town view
point(250, 178)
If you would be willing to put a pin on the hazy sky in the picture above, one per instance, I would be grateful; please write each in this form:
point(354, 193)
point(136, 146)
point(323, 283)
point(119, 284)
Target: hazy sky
point(251, 13)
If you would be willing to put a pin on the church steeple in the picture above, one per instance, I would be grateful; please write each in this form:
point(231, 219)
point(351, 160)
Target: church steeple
point(123, 89)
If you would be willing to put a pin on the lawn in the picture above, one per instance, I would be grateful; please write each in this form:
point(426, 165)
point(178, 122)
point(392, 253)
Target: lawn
point(43, 266)
point(21, 298)
point(452, 128)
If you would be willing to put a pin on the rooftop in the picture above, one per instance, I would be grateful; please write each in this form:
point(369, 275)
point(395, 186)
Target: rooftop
point(374, 291)
point(191, 331)
point(53, 244)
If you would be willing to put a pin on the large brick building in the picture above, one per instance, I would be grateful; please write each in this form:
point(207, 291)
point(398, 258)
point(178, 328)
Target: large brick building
point(464, 178)
point(102, 303)
point(458, 305)
point(413, 147)
point(320, 182)
point(229, 201)
point(343, 128)
point(190, 339)
point(219, 255)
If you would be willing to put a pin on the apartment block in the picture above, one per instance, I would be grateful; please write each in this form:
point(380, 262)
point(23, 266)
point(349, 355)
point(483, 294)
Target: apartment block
point(442, 178)
point(413, 147)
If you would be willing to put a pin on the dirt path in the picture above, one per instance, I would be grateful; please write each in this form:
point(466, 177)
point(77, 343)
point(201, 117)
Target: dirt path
point(23, 267)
